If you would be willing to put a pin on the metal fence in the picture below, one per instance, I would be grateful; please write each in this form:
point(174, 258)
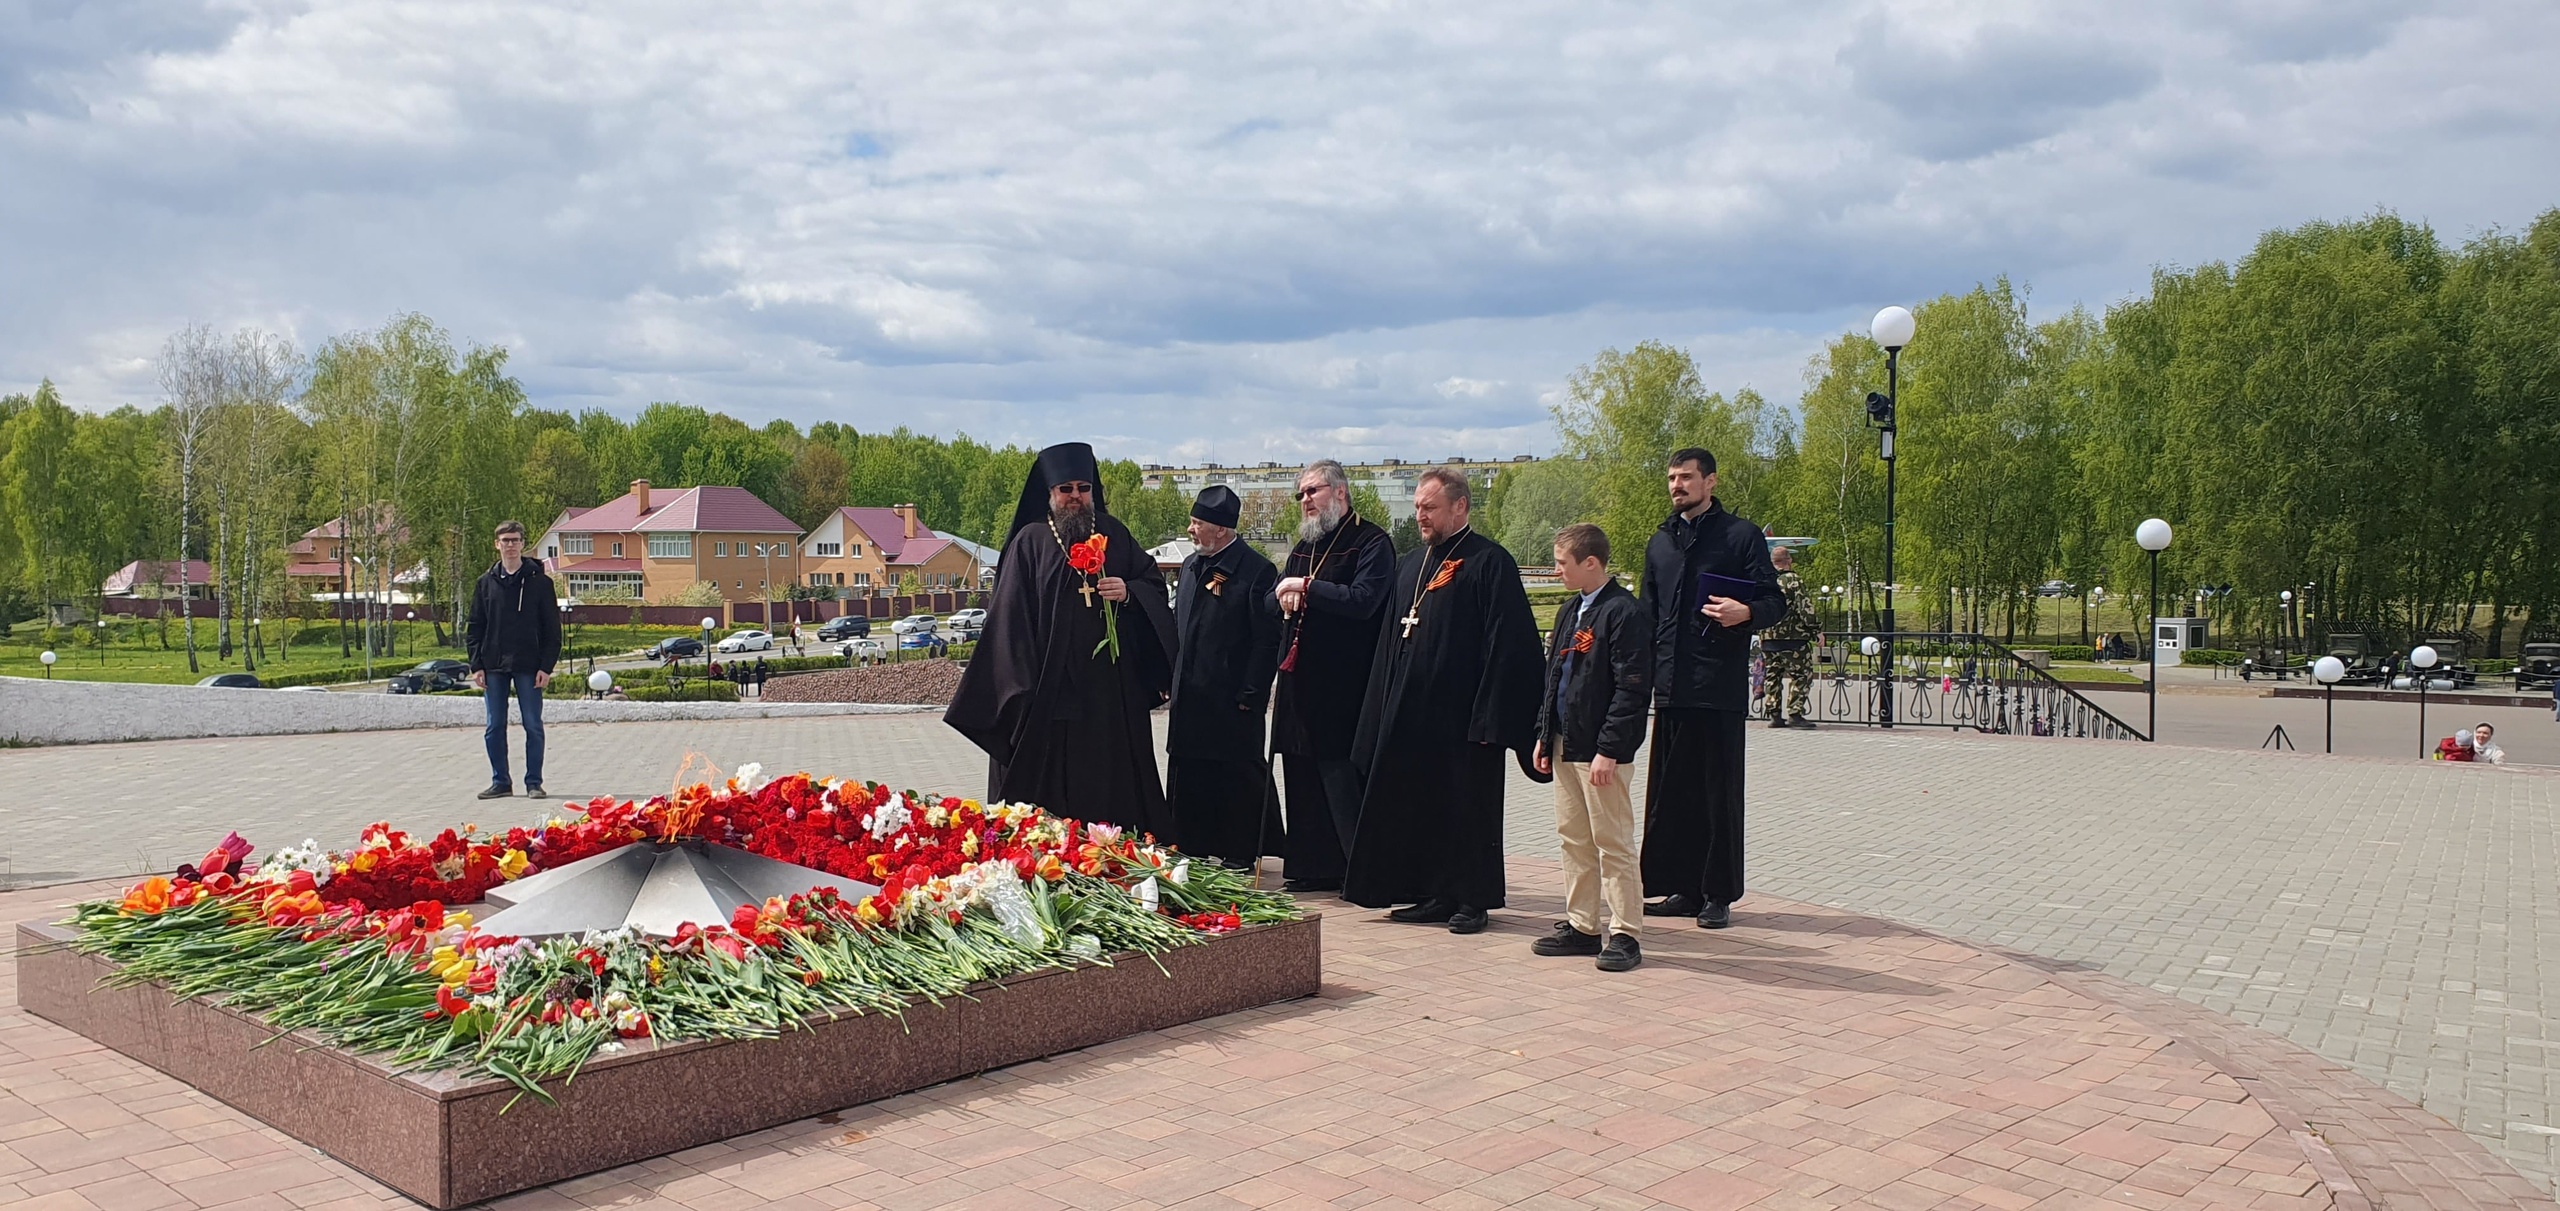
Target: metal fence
point(1967, 682)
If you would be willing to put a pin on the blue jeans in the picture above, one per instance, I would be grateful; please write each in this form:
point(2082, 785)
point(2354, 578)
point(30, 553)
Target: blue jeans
point(529, 709)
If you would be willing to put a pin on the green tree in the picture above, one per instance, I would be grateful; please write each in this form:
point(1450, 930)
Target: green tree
point(1626, 412)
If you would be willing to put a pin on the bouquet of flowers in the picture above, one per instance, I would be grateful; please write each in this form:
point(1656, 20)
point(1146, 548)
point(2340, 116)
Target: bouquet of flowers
point(1086, 557)
point(365, 947)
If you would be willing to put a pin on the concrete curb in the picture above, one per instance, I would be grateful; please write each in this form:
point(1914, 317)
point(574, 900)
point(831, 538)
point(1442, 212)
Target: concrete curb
point(35, 711)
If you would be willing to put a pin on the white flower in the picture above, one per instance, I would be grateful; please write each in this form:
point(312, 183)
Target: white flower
point(609, 1046)
point(749, 779)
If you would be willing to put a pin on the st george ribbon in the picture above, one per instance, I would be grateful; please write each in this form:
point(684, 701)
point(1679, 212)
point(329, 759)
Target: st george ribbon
point(653, 887)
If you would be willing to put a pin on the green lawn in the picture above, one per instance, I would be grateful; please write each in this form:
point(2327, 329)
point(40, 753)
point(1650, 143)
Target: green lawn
point(133, 652)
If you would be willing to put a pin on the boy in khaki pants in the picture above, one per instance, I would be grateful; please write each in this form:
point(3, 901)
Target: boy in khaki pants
point(1590, 723)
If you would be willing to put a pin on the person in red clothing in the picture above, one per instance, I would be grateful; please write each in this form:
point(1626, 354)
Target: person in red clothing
point(2456, 747)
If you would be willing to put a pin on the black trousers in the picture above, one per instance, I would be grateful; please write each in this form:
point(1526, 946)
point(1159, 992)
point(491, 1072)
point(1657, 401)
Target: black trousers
point(1324, 812)
point(1214, 806)
point(1693, 805)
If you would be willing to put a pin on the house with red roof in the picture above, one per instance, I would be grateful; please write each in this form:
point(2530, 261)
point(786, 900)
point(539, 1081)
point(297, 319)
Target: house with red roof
point(313, 564)
point(868, 552)
point(655, 543)
point(159, 578)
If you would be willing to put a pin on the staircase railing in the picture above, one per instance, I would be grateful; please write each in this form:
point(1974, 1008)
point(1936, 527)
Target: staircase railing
point(1950, 680)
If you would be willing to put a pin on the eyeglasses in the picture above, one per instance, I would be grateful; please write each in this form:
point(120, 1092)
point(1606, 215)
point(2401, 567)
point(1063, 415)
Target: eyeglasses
point(1304, 493)
point(1077, 489)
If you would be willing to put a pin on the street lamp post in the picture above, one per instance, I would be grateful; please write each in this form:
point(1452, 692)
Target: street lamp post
point(102, 643)
point(2328, 671)
point(2153, 536)
point(1892, 328)
point(2284, 628)
point(2422, 658)
point(48, 658)
point(599, 681)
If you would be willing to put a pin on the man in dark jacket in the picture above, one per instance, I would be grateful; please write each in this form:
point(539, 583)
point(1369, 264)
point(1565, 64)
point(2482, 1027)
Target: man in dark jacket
point(1590, 723)
point(1218, 779)
point(514, 641)
point(1701, 692)
point(1333, 594)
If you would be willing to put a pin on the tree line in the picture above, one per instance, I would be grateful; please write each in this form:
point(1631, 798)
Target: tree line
point(2354, 412)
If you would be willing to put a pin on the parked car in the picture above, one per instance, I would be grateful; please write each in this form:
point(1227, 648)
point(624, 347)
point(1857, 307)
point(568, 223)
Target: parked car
point(911, 624)
point(234, 681)
point(748, 641)
point(862, 647)
point(970, 621)
point(676, 646)
point(2056, 588)
point(2539, 668)
point(851, 626)
point(920, 639)
point(430, 676)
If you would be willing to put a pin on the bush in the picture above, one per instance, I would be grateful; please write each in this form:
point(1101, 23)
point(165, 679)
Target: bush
point(2210, 656)
point(2498, 666)
point(695, 690)
point(2073, 651)
point(332, 676)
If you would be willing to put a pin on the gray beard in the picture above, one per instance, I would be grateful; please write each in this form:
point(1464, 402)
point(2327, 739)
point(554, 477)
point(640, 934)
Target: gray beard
point(1327, 517)
point(1074, 524)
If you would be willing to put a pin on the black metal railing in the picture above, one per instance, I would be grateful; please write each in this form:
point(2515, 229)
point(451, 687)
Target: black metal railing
point(1967, 682)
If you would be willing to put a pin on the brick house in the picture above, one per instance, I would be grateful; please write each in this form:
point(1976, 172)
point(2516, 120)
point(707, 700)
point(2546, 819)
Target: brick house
point(867, 552)
point(312, 564)
point(656, 543)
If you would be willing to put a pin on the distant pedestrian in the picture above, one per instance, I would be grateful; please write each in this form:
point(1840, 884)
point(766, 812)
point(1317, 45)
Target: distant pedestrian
point(760, 675)
point(513, 639)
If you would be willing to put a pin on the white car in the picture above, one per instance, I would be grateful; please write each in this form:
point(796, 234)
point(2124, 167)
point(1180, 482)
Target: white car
point(969, 620)
point(911, 624)
point(747, 641)
point(856, 649)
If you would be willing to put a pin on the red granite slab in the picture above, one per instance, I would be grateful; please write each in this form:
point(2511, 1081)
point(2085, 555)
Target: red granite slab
point(443, 1140)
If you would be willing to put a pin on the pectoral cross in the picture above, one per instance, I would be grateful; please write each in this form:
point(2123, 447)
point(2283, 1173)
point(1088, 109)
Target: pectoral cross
point(1087, 590)
point(1412, 618)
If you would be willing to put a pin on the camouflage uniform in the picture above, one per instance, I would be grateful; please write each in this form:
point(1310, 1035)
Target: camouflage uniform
point(1788, 650)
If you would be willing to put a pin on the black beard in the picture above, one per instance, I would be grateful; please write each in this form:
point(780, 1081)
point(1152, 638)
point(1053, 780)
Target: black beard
point(1074, 522)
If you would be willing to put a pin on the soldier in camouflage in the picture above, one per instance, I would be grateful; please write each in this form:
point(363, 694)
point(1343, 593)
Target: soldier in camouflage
point(1787, 647)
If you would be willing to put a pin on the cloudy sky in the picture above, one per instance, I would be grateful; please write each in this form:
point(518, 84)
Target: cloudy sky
point(1232, 231)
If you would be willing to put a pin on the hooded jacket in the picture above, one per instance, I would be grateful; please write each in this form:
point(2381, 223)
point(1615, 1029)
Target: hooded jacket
point(515, 621)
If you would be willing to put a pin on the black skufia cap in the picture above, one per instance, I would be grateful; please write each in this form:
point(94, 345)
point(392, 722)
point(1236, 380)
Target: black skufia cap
point(1218, 506)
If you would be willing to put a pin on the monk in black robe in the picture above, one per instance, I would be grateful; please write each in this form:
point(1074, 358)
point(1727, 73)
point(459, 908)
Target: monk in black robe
point(1333, 594)
point(1218, 774)
point(1456, 681)
point(1064, 725)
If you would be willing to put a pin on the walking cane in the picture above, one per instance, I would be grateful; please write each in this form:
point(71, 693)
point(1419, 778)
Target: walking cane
point(1270, 761)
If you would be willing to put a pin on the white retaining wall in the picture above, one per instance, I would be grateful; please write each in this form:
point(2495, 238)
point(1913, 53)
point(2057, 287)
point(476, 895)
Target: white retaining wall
point(37, 711)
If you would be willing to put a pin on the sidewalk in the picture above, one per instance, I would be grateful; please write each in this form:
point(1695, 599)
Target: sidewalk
point(1805, 1059)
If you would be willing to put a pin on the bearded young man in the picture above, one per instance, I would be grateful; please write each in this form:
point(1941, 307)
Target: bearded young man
point(1456, 681)
point(1062, 719)
point(1701, 691)
point(1332, 595)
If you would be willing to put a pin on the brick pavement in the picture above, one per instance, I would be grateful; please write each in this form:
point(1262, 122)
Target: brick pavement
point(2392, 917)
point(1809, 1059)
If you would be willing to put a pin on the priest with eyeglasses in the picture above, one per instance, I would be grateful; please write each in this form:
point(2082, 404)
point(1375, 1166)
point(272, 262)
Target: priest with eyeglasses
point(1078, 648)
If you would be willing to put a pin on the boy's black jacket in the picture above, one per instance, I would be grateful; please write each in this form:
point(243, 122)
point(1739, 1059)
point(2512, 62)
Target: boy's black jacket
point(1604, 707)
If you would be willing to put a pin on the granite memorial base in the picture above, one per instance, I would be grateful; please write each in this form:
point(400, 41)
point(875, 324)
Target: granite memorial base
point(442, 1140)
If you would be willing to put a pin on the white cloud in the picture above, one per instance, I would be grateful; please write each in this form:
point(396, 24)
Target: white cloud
point(1329, 228)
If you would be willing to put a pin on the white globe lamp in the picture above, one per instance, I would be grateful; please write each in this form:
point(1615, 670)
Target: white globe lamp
point(2152, 535)
point(1893, 327)
point(2329, 670)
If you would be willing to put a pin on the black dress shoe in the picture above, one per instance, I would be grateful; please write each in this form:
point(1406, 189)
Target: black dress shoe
point(1806, 724)
point(1777, 721)
point(1621, 954)
point(1469, 920)
point(1717, 916)
point(498, 792)
point(1566, 940)
point(1681, 905)
point(533, 790)
point(1305, 886)
point(1429, 912)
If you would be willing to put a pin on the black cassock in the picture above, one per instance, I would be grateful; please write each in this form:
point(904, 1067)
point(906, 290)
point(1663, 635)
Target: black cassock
point(1446, 697)
point(1217, 776)
point(1063, 726)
